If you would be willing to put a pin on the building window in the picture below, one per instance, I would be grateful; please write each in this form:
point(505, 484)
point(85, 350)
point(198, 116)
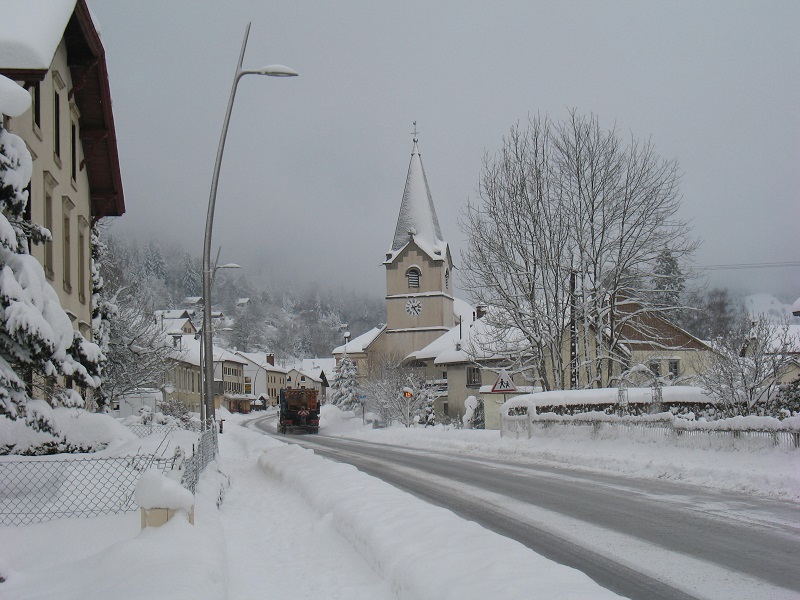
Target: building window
point(57, 124)
point(473, 377)
point(447, 279)
point(673, 368)
point(50, 184)
point(445, 409)
point(444, 374)
point(73, 142)
point(36, 104)
point(413, 277)
point(82, 265)
point(67, 252)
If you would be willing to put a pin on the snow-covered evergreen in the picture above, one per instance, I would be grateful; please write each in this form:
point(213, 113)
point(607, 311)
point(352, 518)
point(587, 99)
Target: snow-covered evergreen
point(345, 386)
point(37, 341)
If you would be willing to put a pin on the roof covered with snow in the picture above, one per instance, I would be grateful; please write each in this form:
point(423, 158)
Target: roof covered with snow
point(469, 341)
point(361, 343)
point(30, 32)
point(417, 220)
point(259, 359)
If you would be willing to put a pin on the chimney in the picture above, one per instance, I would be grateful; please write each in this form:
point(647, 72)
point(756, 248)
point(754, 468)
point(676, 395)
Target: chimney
point(271, 359)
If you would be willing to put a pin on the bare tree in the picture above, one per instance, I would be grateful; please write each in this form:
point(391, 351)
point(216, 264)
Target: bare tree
point(395, 392)
point(138, 350)
point(562, 243)
point(744, 371)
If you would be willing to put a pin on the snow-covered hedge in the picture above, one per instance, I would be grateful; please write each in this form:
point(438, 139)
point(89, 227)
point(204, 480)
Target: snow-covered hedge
point(676, 422)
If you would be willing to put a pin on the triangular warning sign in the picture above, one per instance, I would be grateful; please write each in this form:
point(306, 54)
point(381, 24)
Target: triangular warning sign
point(503, 385)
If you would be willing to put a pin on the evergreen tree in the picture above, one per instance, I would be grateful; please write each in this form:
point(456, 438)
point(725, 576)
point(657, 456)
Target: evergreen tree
point(37, 341)
point(103, 309)
point(668, 281)
point(154, 264)
point(345, 385)
point(190, 276)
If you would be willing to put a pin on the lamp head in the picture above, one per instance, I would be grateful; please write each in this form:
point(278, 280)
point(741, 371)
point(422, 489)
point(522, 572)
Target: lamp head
point(277, 71)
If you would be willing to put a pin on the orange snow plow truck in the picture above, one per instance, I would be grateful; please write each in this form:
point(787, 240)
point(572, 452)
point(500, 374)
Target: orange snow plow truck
point(299, 410)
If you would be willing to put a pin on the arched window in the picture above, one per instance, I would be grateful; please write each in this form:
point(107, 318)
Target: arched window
point(447, 279)
point(413, 277)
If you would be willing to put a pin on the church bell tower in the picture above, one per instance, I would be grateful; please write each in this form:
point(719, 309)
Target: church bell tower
point(419, 286)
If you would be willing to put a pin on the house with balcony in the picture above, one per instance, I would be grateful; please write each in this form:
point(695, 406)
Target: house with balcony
point(262, 378)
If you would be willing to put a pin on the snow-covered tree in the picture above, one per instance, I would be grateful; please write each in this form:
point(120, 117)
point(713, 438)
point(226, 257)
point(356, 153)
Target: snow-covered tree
point(397, 393)
point(138, 350)
point(103, 309)
point(154, 264)
point(668, 281)
point(190, 275)
point(345, 388)
point(37, 342)
point(744, 372)
point(569, 221)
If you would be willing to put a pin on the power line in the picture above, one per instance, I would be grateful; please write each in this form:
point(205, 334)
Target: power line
point(764, 265)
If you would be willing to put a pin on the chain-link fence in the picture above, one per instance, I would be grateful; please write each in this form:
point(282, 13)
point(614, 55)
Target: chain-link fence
point(37, 489)
point(206, 451)
point(41, 489)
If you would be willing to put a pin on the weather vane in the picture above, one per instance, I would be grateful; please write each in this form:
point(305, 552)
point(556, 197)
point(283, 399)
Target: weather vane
point(415, 133)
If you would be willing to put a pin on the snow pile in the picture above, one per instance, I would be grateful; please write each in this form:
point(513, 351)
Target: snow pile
point(771, 472)
point(155, 490)
point(332, 419)
point(399, 535)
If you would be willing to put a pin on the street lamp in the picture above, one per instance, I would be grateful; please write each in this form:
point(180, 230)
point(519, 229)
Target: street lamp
point(203, 404)
point(208, 369)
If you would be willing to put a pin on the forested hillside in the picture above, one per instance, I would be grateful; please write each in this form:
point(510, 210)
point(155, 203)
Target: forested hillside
point(305, 321)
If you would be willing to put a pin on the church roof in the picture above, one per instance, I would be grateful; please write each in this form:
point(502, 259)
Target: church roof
point(417, 220)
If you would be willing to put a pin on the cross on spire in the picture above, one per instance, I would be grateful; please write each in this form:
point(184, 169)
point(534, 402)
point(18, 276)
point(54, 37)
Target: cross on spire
point(415, 133)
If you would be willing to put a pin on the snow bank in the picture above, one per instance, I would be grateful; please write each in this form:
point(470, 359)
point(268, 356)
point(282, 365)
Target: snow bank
point(402, 537)
point(154, 490)
point(771, 472)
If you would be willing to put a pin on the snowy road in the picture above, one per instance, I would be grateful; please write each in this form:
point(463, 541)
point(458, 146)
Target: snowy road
point(642, 539)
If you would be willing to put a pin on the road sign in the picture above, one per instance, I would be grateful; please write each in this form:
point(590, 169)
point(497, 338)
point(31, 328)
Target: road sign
point(503, 385)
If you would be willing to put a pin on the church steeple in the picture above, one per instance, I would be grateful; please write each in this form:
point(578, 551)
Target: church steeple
point(417, 220)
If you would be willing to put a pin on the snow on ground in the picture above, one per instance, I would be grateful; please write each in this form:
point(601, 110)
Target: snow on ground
point(769, 472)
point(292, 525)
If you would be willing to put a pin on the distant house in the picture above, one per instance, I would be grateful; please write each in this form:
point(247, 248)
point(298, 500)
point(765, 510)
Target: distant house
point(310, 374)
point(262, 379)
point(53, 49)
point(466, 360)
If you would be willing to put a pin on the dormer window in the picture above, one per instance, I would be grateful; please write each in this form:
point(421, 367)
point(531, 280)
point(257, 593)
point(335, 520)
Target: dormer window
point(413, 277)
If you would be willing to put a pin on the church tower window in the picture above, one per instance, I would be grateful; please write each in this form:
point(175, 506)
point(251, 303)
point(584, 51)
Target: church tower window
point(413, 277)
point(447, 279)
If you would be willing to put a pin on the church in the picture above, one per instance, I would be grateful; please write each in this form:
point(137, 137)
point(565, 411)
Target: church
point(420, 306)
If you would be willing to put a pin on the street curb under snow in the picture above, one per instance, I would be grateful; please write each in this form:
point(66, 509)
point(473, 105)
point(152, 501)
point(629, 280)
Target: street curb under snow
point(423, 551)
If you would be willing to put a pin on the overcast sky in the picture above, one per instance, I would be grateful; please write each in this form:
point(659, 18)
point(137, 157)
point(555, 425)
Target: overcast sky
point(315, 166)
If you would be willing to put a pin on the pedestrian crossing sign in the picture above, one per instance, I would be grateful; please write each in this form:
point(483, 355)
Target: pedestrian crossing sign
point(504, 385)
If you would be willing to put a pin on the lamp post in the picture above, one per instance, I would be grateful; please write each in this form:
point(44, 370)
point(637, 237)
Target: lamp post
point(208, 369)
point(203, 403)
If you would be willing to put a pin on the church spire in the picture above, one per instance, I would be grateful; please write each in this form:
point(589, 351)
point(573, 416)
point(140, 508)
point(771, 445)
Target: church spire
point(417, 219)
